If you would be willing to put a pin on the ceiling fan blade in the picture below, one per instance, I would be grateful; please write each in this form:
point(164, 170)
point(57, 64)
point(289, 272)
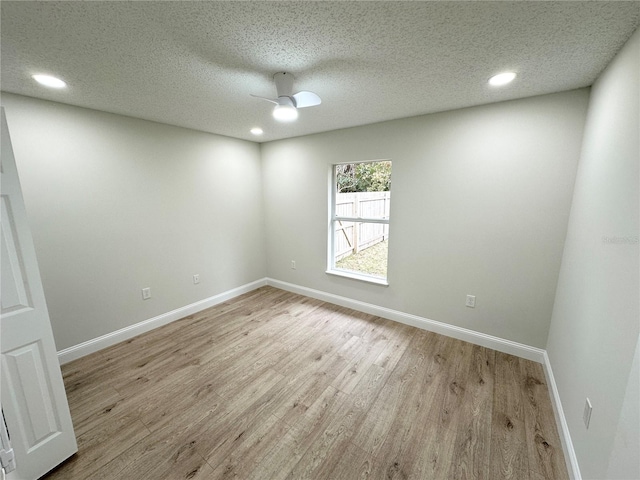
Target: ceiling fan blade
point(306, 99)
point(272, 100)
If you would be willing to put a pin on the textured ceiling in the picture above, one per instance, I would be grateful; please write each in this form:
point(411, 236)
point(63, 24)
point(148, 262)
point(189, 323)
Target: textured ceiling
point(194, 64)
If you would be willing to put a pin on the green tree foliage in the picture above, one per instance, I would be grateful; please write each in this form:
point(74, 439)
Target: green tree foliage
point(364, 177)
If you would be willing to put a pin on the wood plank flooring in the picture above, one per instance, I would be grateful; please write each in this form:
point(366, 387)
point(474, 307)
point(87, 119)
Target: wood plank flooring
point(273, 385)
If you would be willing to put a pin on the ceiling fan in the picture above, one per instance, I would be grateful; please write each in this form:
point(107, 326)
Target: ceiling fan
point(287, 103)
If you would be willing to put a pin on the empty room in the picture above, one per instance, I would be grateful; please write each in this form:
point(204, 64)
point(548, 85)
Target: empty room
point(320, 240)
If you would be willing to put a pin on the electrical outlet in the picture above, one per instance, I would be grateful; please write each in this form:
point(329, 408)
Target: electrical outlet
point(293, 264)
point(146, 293)
point(471, 301)
point(586, 415)
point(196, 279)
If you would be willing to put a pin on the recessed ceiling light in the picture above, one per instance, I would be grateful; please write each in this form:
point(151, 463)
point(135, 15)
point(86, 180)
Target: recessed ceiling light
point(502, 78)
point(285, 113)
point(256, 131)
point(49, 81)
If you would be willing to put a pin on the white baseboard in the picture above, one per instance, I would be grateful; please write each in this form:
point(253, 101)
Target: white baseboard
point(477, 338)
point(91, 346)
point(561, 422)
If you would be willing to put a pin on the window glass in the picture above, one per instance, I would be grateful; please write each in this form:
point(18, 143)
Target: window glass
point(361, 199)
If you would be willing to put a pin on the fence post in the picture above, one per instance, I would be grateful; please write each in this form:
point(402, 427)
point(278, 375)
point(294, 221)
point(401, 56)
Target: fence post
point(356, 210)
point(385, 229)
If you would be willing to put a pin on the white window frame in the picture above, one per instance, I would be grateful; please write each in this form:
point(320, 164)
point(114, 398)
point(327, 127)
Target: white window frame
point(333, 218)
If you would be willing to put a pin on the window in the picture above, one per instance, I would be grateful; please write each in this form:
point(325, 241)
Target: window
point(359, 220)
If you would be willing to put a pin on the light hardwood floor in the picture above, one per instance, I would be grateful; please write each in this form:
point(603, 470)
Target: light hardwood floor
point(273, 385)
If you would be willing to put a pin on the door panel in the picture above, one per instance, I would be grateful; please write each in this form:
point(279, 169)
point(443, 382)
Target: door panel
point(37, 417)
point(32, 391)
point(15, 294)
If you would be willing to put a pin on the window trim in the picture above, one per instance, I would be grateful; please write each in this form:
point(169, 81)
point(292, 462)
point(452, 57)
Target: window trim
point(333, 218)
point(359, 276)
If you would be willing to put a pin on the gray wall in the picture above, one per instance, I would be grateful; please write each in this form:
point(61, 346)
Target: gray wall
point(595, 324)
point(480, 204)
point(117, 204)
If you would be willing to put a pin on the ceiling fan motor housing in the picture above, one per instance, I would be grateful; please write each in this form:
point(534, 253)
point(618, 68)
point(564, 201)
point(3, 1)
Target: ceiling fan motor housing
point(284, 84)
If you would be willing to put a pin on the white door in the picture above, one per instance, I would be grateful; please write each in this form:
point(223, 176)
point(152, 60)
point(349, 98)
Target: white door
point(32, 392)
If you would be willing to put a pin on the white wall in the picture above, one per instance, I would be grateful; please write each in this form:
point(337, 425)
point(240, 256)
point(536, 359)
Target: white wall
point(117, 204)
point(624, 461)
point(595, 324)
point(480, 203)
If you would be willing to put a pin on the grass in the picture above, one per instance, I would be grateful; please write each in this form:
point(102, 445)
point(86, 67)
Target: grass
point(371, 260)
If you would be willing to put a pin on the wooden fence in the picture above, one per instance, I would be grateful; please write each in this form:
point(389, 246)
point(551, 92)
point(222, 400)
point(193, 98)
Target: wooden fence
point(352, 237)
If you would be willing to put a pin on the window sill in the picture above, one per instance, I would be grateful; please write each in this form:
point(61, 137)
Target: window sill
point(356, 276)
